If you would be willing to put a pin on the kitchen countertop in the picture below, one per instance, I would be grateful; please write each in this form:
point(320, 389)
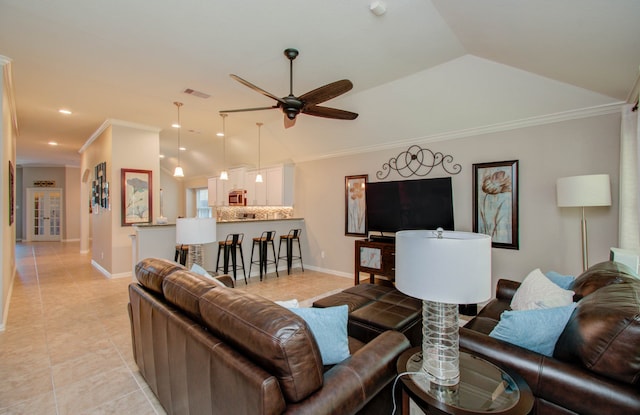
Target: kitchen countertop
point(256, 220)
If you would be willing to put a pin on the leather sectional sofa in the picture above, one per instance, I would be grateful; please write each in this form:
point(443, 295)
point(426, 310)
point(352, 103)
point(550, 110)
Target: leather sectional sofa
point(205, 348)
point(595, 367)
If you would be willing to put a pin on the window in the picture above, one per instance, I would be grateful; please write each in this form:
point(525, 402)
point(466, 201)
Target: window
point(203, 210)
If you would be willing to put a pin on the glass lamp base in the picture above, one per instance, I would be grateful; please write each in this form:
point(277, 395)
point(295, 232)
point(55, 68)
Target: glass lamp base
point(195, 256)
point(440, 336)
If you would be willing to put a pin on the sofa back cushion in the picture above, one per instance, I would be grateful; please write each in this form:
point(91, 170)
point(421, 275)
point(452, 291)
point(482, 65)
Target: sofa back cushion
point(184, 288)
point(270, 335)
point(603, 333)
point(151, 272)
point(598, 276)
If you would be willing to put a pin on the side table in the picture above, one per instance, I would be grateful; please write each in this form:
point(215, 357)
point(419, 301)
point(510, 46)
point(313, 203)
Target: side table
point(483, 388)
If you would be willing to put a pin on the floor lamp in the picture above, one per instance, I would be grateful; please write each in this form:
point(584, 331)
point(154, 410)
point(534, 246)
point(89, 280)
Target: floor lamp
point(195, 232)
point(443, 269)
point(584, 191)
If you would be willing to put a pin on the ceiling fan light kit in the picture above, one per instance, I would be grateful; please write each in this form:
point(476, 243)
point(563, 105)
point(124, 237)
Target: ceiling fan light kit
point(292, 105)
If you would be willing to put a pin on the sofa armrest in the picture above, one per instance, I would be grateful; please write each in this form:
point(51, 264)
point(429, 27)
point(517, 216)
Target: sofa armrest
point(349, 385)
point(226, 280)
point(506, 289)
point(566, 385)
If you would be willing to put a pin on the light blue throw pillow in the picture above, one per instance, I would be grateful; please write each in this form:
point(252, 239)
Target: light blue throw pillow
point(562, 281)
point(199, 270)
point(537, 330)
point(329, 327)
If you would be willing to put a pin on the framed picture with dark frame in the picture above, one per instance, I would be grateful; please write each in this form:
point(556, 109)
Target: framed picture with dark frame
point(137, 196)
point(495, 202)
point(355, 216)
point(11, 193)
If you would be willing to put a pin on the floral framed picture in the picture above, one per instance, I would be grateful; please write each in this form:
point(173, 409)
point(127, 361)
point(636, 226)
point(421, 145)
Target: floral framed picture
point(495, 202)
point(137, 195)
point(355, 220)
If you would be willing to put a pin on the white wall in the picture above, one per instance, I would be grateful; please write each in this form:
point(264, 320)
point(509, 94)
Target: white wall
point(549, 236)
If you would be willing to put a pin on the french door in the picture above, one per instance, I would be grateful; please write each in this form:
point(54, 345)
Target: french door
point(44, 214)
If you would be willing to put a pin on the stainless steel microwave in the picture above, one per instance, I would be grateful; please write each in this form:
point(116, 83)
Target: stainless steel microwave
point(238, 198)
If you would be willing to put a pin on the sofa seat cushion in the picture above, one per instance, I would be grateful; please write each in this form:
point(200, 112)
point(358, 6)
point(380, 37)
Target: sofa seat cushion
point(603, 333)
point(270, 335)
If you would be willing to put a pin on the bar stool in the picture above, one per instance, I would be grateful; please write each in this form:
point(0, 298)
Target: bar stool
point(181, 254)
point(263, 244)
point(293, 235)
point(231, 244)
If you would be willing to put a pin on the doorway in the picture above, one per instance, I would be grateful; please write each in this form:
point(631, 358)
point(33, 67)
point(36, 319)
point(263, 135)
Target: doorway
point(44, 214)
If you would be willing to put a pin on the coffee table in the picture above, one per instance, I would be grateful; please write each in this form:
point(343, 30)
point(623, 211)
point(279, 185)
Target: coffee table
point(483, 388)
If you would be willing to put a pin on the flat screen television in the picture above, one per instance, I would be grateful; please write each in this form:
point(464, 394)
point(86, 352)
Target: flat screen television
point(409, 204)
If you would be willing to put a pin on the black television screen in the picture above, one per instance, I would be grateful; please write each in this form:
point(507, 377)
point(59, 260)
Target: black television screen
point(410, 204)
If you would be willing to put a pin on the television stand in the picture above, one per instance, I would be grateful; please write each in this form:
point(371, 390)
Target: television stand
point(375, 258)
point(383, 238)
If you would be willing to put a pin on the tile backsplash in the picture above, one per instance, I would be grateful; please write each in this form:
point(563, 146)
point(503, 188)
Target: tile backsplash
point(257, 212)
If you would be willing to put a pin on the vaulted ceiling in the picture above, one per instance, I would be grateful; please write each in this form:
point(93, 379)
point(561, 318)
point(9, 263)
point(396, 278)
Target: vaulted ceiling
point(424, 70)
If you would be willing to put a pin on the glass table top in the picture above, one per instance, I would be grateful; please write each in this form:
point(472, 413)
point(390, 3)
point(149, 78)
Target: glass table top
point(483, 387)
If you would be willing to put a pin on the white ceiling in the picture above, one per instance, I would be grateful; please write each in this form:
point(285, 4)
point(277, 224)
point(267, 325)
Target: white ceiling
point(425, 70)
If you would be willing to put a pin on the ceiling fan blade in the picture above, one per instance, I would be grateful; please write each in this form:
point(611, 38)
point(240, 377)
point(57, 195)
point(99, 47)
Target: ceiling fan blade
point(288, 123)
point(327, 112)
point(248, 109)
point(326, 92)
point(256, 88)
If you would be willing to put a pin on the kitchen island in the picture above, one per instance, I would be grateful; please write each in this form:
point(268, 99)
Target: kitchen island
point(159, 240)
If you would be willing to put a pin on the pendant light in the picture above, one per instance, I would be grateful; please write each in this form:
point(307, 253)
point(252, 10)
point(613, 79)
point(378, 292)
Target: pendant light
point(178, 171)
point(224, 175)
point(259, 176)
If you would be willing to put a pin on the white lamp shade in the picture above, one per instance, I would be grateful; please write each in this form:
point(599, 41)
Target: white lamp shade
point(195, 231)
point(581, 191)
point(454, 269)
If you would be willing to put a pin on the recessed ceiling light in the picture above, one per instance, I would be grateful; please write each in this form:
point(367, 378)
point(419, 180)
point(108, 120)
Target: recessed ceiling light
point(175, 125)
point(161, 156)
point(52, 143)
point(220, 134)
point(182, 149)
point(64, 111)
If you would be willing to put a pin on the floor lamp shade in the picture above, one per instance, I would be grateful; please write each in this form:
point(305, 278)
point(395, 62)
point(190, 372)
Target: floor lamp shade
point(584, 191)
point(195, 232)
point(443, 269)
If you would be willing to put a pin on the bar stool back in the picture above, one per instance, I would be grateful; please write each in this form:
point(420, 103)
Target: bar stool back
point(263, 248)
point(181, 254)
point(288, 239)
point(231, 245)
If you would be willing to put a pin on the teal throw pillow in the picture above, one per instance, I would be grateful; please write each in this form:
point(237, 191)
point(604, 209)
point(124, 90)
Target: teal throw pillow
point(562, 281)
point(329, 327)
point(537, 330)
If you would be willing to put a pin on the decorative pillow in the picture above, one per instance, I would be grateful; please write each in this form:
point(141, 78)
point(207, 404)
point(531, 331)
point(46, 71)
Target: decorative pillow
point(562, 281)
point(329, 327)
point(288, 303)
point(537, 291)
point(536, 330)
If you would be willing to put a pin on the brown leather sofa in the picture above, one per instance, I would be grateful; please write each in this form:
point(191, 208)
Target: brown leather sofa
point(595, 368)
point(205, 348)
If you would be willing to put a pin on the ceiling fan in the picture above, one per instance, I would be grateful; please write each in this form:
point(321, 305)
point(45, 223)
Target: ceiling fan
point(307, 103)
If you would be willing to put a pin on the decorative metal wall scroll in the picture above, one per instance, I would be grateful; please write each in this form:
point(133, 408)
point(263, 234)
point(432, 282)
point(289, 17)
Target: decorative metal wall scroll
point(417, 161)
point(44, 183)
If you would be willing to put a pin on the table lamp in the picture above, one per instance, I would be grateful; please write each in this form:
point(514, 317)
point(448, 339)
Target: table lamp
point(584, 191)
point(195, 232)
point(444, 269)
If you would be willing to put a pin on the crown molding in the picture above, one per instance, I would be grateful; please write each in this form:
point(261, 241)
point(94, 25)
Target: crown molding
point(7, 75)
point(606, 109)
point(111, 121)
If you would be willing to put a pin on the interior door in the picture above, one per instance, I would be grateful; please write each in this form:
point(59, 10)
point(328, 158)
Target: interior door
point(44, 214)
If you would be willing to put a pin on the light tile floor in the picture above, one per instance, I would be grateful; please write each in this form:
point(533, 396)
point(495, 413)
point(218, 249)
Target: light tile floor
point(66, 348)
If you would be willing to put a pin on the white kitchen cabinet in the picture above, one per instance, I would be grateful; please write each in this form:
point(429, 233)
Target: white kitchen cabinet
point(214, 187)
point(275, 190)
point(236, 180)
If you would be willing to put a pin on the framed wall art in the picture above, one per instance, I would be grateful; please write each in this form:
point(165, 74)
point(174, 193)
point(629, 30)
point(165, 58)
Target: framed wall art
point(495, 202)
point(355, 221)
point(137, 196)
